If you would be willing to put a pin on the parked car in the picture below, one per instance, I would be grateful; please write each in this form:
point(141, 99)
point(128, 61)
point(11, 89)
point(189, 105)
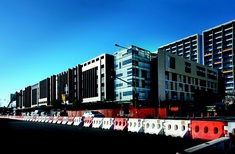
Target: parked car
point(92, 114)
point(221, 108)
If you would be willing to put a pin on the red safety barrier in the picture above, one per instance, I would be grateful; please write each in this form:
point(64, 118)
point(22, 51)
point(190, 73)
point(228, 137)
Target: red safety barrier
point(51, 118)
point(120, 124)
point(70, 120)
point(34, 118)
point(207, 130)
point(21, 117)
point(59, 120)
point(87, 122)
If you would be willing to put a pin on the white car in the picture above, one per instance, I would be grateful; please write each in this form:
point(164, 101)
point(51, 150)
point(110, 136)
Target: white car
point(92, 114)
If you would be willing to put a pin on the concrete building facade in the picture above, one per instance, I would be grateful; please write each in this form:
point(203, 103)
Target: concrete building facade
point(179, 78)
point(219, 52)
point(190, 48)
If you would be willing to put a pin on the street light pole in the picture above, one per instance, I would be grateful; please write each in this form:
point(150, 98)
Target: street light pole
point(117, 45)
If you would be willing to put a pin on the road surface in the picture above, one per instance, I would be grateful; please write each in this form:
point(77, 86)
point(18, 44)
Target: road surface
point(38, 137)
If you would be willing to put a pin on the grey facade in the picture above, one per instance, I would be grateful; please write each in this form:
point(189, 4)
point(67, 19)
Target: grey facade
point(179, 78)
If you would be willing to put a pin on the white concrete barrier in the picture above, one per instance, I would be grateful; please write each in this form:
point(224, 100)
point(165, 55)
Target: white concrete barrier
point(230, 128)
point(107, 123)
point(65, 120)
point(136, 125)
point(26, 118)
point(97, 122)
point(154, 126)
point(31, 118)
point(70, 120)
point(43, 118)
point(177, 128)
point(38, 119)
point(77, 121)
point(47, 118)
point(59, 120)
point(55, 119)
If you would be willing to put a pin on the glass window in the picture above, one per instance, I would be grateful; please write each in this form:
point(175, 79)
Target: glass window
point(172, 62)
point(187, 67)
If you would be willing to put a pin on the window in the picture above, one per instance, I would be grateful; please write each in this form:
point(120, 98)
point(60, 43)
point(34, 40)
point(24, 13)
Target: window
point(189, 80)
point(102, 70)
point(135, 72)
point(125, 62)
point(172, 62)
point(203, 83)
point(143, 83)
point(211, 75)
point(174, 77)
point(135, 62)
point(187, 67)
point(167, 75)
point(186, 88)
point(144, 74)
point(201, 71)
point(135, 83)
point(180, 87)
point(127, 93)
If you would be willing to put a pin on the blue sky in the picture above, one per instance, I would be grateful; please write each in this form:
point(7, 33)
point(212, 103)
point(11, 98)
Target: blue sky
point(40, 38)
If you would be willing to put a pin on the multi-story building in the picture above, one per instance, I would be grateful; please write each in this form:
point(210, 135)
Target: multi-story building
point(219, 52)
point(144, 75)
point(177, 78)
point(189, 48)
point(132, 67)
point(96, 86)
point(85, 83)
point(140, 75)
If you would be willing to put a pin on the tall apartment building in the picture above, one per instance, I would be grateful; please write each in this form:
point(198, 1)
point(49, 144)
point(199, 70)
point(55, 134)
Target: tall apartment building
point(132, 66)
point(190, 48)
point(219, 52)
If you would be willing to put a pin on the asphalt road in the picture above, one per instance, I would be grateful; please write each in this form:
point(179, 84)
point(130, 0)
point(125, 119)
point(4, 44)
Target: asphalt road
point(38, 137)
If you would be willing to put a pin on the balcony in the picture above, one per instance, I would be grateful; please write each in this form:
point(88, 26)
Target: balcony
point(228, 71)
point(229, 49)
point(219, 62)
point(207, 54)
